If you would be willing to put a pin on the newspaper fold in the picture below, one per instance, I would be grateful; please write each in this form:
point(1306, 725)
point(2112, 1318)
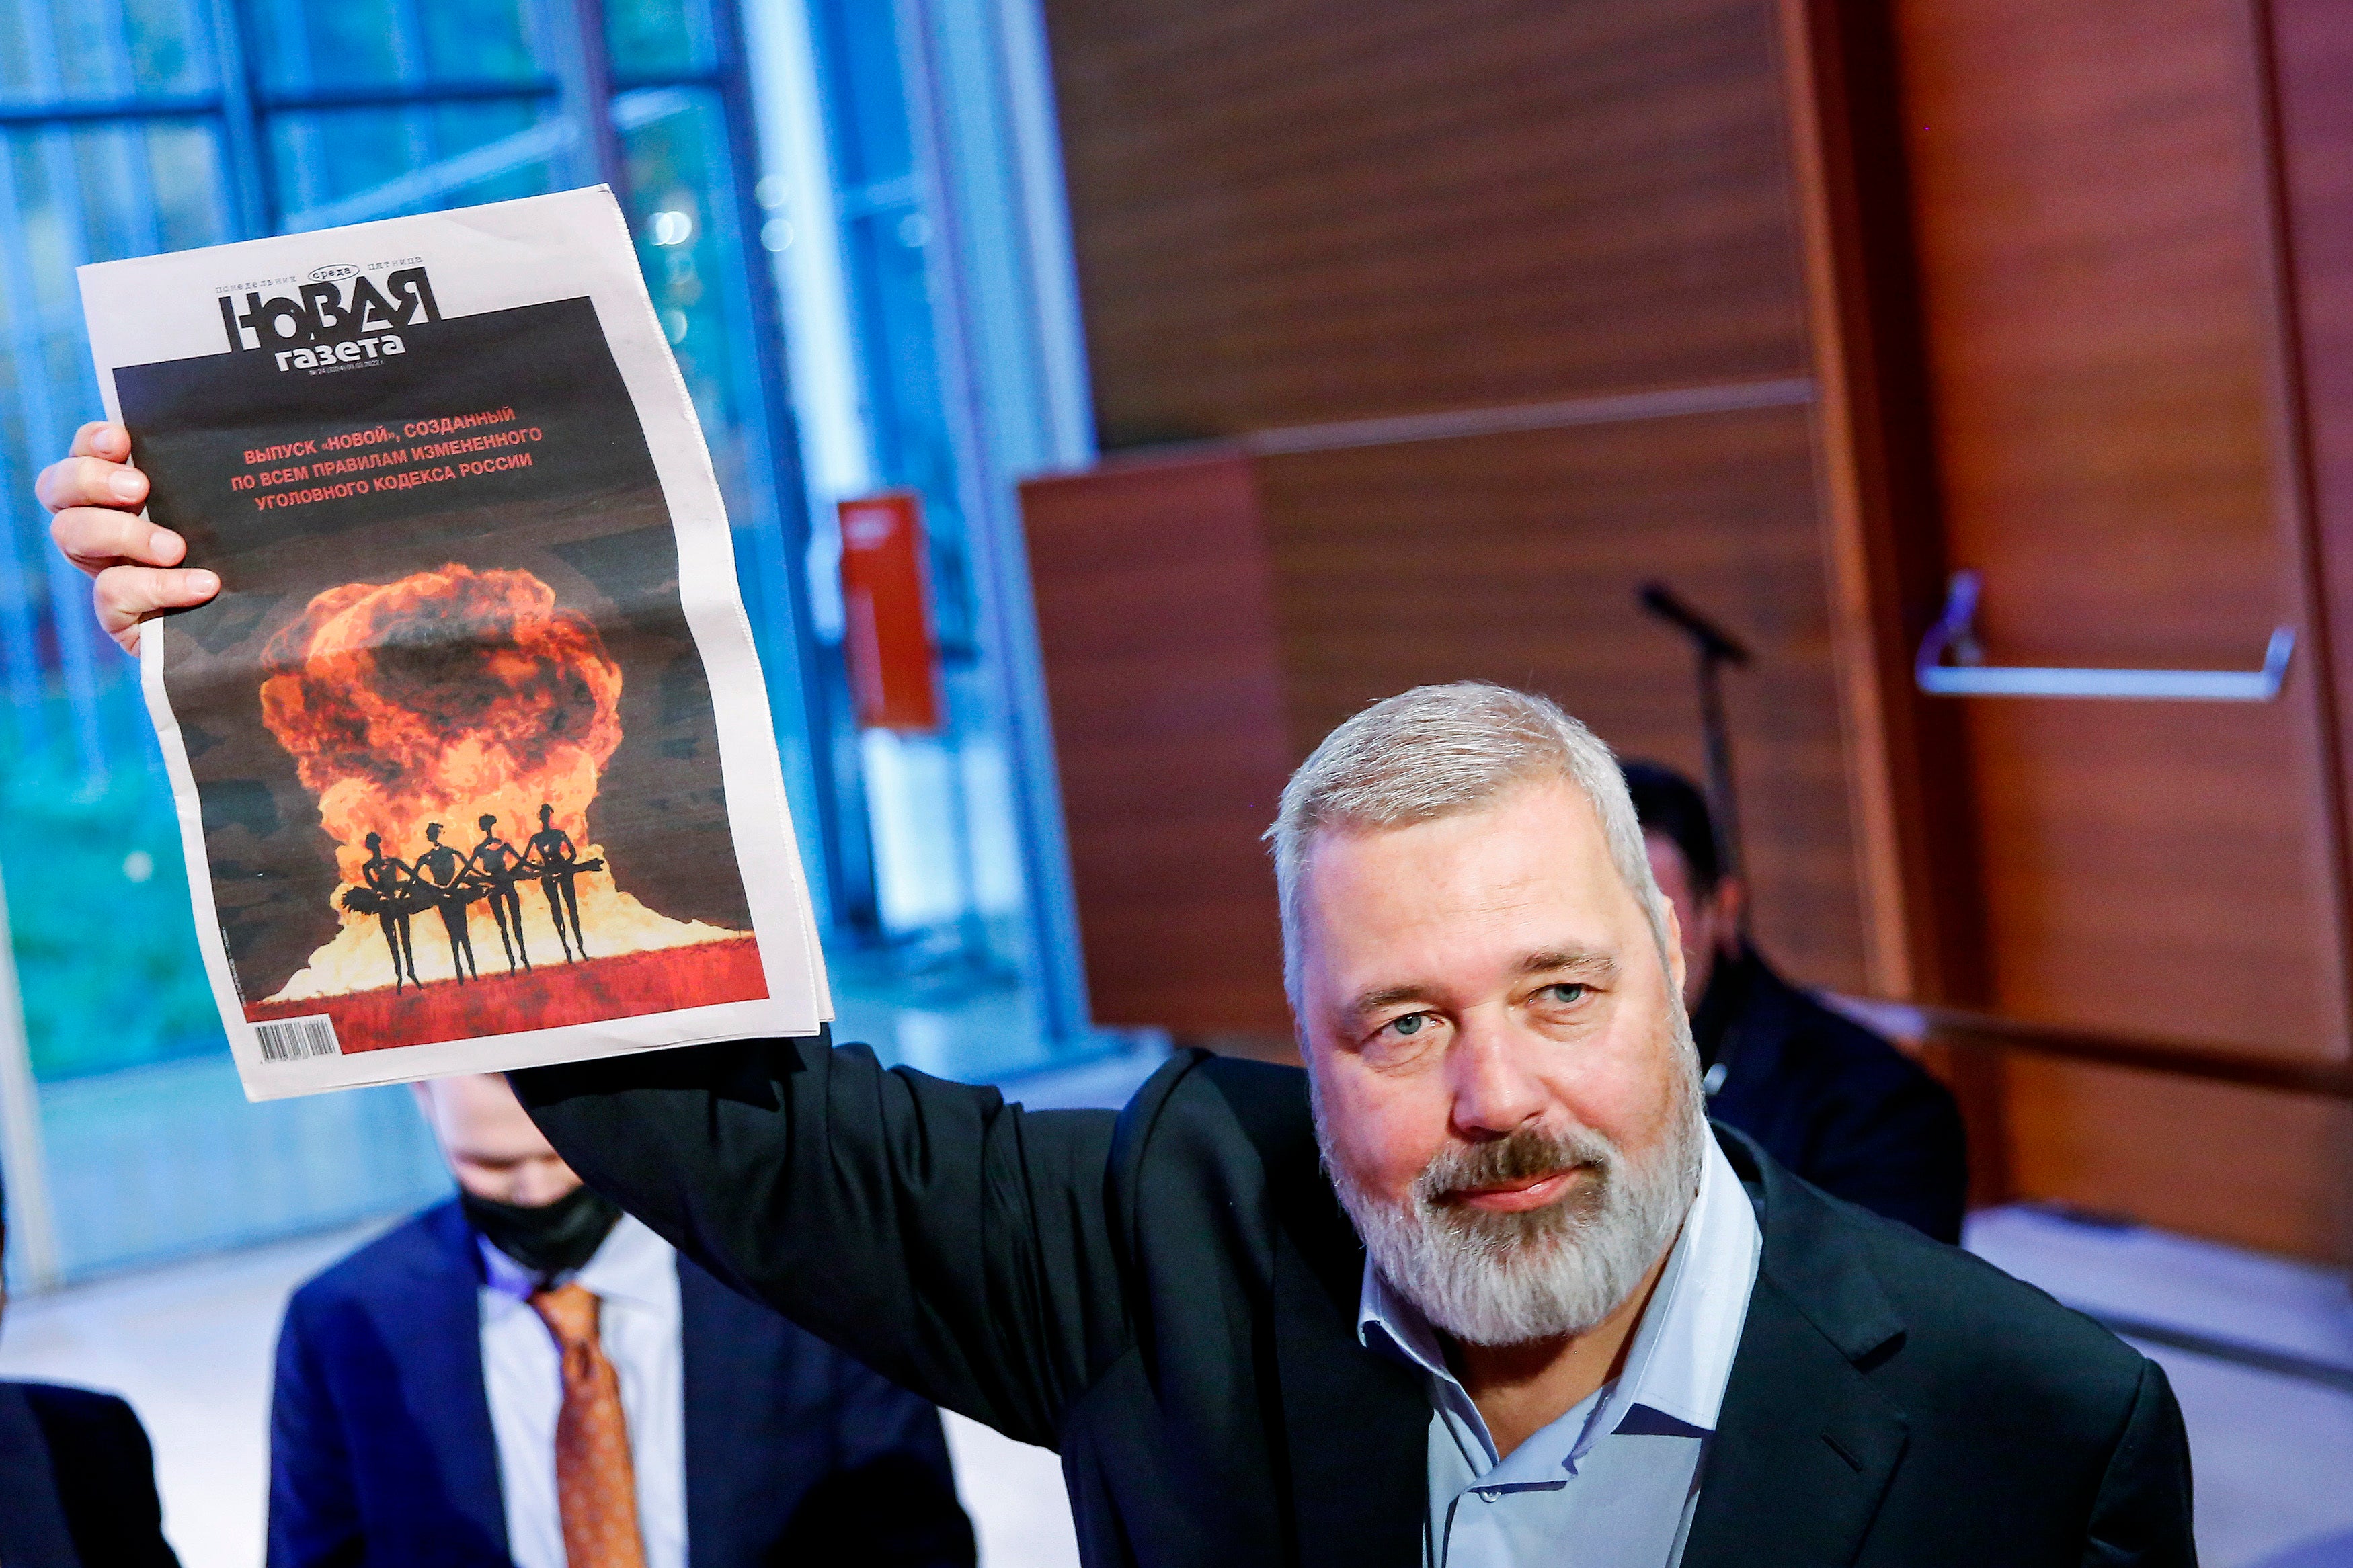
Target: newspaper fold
point(473, 761)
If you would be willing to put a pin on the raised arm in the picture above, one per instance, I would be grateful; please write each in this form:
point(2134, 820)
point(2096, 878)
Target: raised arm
point(958, 1246)
point(953, 1243)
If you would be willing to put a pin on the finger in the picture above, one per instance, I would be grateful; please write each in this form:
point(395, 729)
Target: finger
point(126, 595)
point(94, 538)
point(102, 438)
point(90, 482)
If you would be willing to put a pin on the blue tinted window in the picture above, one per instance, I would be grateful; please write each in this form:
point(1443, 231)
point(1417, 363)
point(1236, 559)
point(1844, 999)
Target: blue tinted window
point(652, 36)
point(307, 44)
point(102, 49)
point(413, 159)
point(362, 108)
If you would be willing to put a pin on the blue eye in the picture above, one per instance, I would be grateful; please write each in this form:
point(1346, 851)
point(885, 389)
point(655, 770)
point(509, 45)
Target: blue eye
point(1569, 993)
point(1410, 1024)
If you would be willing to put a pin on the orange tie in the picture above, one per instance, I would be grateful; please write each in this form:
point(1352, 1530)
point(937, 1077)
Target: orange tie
point(596, 1484)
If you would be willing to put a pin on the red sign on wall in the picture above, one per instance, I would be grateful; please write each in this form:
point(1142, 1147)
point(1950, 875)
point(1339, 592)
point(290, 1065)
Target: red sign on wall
point(892, 671)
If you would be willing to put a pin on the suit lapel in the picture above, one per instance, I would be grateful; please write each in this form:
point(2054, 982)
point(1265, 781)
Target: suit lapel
point(1804, 1448)
point(438, 1330)
point(1805, 1445)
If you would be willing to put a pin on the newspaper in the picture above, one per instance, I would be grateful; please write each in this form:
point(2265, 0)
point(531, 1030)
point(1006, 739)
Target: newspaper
point(472, 757)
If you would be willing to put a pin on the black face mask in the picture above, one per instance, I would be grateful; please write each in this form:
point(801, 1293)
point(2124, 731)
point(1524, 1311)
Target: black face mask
point(551, 1239)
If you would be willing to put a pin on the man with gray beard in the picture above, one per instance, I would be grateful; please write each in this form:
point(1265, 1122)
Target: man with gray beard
point(1581, 1327)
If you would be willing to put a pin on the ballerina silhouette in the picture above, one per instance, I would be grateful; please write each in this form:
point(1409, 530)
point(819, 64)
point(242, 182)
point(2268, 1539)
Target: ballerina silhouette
point(498, 863)
point(556, 862)
point(441, 872)
point(381, 895)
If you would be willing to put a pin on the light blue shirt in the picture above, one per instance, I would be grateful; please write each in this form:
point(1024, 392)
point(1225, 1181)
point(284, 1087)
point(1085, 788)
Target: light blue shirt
point(634, 1277)
point(1614, 1481)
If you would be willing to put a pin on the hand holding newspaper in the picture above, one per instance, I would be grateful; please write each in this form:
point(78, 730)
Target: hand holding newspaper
point(471, 753)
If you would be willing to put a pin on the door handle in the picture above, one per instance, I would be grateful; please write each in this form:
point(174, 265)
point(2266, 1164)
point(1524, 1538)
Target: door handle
point(1956, 633)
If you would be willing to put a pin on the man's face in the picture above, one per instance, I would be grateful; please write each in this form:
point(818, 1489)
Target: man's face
point(491, 1146)
point(1709, 924)
point(1484, 1004)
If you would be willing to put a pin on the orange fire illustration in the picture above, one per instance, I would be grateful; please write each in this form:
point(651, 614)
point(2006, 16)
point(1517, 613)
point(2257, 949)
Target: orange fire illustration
point(443, 697)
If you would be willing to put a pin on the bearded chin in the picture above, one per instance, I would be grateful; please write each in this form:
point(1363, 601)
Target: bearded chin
point(1508, 1279)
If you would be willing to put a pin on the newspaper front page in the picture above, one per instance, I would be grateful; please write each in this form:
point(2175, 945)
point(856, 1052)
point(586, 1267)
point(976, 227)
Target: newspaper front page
point(472, 756)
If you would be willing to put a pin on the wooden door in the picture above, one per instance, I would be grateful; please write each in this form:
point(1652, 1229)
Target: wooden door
point(2112, 431)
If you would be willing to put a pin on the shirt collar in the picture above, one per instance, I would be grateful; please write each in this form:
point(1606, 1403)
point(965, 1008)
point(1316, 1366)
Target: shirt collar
point(626, 1266)
point(1682, 1354)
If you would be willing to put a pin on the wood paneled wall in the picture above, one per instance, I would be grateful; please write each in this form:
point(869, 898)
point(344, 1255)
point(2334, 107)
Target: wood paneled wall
point(1291, 212)
point(2099, 307)
point(1504, 223)
point(1516, 558)
point(1489, 311)
point(2312, 116)
point(2103, 390)
point(1158, 609)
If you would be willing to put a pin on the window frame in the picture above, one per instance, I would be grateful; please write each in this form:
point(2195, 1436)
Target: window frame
point(584, 86)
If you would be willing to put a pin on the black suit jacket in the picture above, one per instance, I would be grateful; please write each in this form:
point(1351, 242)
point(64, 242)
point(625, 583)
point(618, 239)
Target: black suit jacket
point(77, 1483)
point(1833, 1101)
point(1168, 1295)
point(381, 1449)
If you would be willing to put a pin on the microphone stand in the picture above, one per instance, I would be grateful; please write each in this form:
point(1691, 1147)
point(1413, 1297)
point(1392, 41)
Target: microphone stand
point(1716, 648)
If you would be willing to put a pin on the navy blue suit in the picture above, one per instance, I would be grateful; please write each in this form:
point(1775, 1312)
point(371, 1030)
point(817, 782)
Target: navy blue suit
point(382, 1451)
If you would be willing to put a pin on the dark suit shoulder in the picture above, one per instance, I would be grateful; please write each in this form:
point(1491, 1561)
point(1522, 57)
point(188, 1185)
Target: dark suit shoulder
point(430, 1242)
point(1200, 1111)
point(93, 1422)
point(1216, 1158)
point(1978, 1332)
point(1972, 1290)
point(1197, 1094)
point(1188, 1156)
point(1213, 1128)
point(1978, 1420)
point(105, 1471)
point(1842, 1106)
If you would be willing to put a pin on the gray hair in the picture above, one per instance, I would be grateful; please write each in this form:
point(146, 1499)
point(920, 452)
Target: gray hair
point(1437, 750)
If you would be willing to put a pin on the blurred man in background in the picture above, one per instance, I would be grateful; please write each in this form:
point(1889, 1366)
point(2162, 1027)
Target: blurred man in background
point(1826, 1097)
point(77, 1477)
point(525, 1374)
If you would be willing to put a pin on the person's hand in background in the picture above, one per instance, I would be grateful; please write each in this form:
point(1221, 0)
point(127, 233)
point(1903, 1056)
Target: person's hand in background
point(96, 496)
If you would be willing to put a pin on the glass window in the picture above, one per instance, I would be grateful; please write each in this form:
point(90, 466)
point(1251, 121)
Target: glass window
point(690, 243)
point(949, 915)
point(121, 134)
point(359, 109)
point(102, 49)
point(658, 37)
point(310, 44)
point(121, 1031)
point(345, 165)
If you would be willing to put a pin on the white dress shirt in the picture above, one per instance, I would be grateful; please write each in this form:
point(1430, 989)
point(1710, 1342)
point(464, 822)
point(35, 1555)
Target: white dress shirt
point(635, 1274)
point(1614, 1482)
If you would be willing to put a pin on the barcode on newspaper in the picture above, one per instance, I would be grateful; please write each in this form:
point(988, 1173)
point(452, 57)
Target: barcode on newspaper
point(293, 1039)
